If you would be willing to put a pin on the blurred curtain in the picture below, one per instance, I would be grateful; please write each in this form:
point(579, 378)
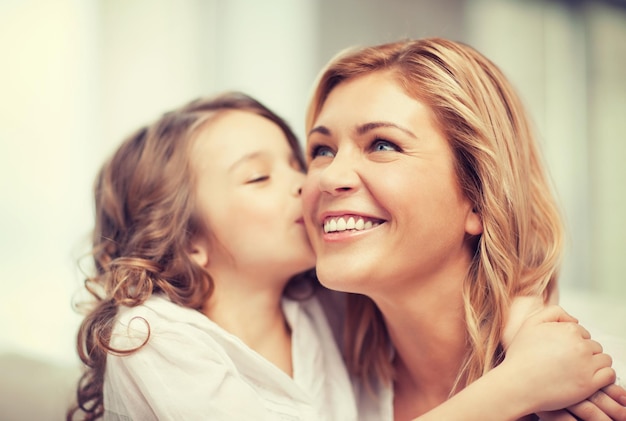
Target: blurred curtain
point(568, 60)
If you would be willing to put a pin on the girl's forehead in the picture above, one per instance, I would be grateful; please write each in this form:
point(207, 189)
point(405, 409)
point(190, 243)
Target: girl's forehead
point(235, 136)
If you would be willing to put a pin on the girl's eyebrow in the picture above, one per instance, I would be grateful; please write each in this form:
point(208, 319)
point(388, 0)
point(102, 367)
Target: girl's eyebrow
point(364, 128)
point(247, 157)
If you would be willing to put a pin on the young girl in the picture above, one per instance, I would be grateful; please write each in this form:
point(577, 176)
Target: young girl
point(198, 233)
point(426, 195)
point(204, 305)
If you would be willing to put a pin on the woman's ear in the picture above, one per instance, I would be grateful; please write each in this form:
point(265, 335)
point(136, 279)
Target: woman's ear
point(473, 223)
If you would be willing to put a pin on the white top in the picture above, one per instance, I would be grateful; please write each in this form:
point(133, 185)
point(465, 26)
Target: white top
point(192, 369)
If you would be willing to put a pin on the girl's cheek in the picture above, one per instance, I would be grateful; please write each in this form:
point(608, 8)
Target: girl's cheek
point(309, 199)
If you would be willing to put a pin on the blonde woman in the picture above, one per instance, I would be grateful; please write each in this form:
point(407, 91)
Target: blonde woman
point(426, 195)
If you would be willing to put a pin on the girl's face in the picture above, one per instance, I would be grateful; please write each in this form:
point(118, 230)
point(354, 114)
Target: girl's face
point(249, 185)
point(382, 204)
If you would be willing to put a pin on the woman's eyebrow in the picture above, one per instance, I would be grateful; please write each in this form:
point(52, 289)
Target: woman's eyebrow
point(319, 129)
point(364, 128)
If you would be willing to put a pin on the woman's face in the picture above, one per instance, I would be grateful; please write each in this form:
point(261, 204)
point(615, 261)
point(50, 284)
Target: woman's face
point(249, 185)
point(381, 199)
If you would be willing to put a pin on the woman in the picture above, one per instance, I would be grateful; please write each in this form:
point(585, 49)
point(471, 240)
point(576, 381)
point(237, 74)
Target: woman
point(426, 195)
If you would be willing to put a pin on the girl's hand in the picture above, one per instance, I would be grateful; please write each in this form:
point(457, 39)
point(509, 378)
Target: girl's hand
point(608, 403)
point(555, 362)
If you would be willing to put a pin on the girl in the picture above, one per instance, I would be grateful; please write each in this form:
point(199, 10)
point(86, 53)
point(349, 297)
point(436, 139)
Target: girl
point(198, 233)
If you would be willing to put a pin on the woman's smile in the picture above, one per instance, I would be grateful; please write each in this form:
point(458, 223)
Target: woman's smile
point(335, 224)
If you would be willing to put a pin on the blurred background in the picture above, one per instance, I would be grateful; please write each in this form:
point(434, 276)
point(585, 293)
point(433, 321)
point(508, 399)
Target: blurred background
point(77, 76)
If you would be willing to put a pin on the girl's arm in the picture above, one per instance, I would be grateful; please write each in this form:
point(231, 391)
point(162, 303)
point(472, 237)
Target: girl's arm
point(606, 403)
point(552, 363)
point(609, 403)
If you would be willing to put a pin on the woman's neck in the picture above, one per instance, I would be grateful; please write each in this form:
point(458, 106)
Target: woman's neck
point(427, 329)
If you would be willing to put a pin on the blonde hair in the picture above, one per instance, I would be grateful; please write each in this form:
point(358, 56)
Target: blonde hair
point(499, 168)
point(146, 218)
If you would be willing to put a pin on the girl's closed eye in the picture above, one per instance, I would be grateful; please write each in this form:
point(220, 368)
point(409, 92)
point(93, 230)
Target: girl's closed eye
point(382, 145)
point(258, 179)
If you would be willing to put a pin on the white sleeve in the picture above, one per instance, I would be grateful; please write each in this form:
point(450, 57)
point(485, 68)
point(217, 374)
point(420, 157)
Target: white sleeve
point(181, 373)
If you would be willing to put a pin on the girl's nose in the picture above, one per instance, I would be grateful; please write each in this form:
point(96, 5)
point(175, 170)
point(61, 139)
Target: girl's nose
point(299, 182)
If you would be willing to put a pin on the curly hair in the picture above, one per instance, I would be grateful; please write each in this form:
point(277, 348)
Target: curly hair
point(499, 168)
point(145, 221)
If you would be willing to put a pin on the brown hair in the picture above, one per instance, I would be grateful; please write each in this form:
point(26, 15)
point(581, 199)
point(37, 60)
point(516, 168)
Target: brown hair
point(499, 168)
point(145, 197)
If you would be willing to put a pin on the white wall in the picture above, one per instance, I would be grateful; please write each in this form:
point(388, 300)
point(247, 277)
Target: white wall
point(48, 118)
point(268, 50)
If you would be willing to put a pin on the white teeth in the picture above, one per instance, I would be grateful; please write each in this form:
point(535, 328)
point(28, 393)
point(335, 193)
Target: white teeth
point(340, 224)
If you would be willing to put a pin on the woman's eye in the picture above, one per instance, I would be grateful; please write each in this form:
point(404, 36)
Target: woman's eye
point(321, 151)
point(381, 145)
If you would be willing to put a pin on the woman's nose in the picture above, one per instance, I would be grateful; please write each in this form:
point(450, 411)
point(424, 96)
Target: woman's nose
point(339, 176)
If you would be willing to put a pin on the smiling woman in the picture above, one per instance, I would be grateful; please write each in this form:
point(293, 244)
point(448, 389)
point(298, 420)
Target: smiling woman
point(426, 197)
point(378, 146)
